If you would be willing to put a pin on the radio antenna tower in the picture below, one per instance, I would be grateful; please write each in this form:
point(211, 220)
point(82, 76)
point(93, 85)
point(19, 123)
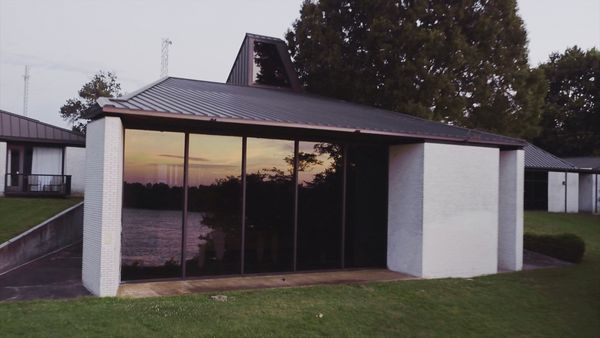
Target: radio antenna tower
point(25, 90)
point(164, 60)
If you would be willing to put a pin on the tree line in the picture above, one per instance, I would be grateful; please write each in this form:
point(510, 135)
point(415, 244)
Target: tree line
point(461, 62)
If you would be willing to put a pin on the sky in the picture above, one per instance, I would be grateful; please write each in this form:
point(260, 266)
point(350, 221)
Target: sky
point(66, 41)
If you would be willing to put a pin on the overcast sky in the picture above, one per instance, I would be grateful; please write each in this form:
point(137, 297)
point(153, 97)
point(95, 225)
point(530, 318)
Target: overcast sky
point(65, 42)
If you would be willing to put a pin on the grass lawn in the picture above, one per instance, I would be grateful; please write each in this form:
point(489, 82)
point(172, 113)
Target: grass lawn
point(561, 302)
point(20, 214)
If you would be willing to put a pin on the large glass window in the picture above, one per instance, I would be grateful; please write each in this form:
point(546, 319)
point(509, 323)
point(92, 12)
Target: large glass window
point(366, 206)
point(213, 232)
point(152, 204)
point(269, 205)
point(320, 173)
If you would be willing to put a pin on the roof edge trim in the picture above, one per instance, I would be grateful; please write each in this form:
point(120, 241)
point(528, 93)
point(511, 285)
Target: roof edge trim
point(135, 112)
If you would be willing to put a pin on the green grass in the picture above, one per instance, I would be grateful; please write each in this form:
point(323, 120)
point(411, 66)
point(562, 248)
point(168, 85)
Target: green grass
point(561, 302)
point(20, 214)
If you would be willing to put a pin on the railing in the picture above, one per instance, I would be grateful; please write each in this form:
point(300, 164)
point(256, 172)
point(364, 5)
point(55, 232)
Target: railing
point(33, 184)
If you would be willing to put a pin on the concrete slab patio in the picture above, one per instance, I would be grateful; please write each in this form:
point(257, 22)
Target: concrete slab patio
point(58, 276)
point(170, 288)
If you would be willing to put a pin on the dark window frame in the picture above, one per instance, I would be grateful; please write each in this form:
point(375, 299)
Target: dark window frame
point(344, 191)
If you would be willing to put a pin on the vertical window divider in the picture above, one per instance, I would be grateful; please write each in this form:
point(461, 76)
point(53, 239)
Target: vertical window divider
point(243, 211)
point(295, 179)
point(344, 193)
point(185, 204)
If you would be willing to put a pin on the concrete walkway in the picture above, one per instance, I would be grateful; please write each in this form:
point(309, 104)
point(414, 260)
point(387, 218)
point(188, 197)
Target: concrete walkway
point(57, 275)
point(180, 287)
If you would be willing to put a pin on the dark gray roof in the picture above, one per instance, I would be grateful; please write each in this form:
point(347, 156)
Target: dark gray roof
point(211, 101)
point(587, 162)
point(537, 158)
point(15, 127)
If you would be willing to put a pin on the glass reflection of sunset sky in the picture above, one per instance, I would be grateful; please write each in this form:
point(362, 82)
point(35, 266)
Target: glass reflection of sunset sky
point(309, 174)
point(153, 157)
point(157, 157)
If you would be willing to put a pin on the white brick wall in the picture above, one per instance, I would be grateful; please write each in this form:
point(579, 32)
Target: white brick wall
point(510, 218)
point(75, 166)
point(443, 210)
point(2, 165)
point(102, 208)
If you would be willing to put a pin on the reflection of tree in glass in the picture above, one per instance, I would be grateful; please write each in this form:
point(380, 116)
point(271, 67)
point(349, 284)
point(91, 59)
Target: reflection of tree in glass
point(271, 71)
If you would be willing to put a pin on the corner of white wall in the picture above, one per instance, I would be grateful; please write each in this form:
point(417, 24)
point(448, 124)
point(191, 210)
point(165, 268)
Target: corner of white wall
point(3, 150)
point(75, 166)
point(460, 223)
point(102, 208)
point(405, 209)
point(510, 217)
point(443, 210)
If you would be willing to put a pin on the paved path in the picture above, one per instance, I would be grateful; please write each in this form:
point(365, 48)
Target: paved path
point(59, 276)
point(55, 276)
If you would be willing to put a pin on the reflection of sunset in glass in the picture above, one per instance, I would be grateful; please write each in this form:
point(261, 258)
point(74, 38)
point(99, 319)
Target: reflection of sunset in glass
point(214, 157)
point(268, 154)
point(153, 157)
point(310, 170)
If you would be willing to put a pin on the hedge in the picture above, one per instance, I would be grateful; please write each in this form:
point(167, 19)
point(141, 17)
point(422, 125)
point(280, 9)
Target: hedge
point(567, 247)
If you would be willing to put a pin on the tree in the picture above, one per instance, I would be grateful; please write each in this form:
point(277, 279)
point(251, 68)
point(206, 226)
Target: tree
point(462, 62)
point(571, 119)
point(102, 84)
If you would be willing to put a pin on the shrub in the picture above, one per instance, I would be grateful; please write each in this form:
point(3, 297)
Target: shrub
point(567, 247)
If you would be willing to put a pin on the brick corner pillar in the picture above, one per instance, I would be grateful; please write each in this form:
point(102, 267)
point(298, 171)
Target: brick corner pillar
point(102, 207)
point(510, 216)
point(443, 210)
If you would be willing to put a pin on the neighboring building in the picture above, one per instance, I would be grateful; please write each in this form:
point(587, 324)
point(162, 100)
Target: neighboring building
point(39, 159)
point(189, 179)
point(589, 185)
point(557, 185)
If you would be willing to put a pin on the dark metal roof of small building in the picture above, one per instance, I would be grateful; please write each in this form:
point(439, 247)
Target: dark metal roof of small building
point(15, 127)
point(537, 158)
point(585, 162)
point(210, 101)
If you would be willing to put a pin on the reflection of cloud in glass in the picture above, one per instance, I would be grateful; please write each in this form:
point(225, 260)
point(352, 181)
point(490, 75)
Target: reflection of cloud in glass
point(153, 157)
point(190, 158)
point(222, 154)
point(267, 154)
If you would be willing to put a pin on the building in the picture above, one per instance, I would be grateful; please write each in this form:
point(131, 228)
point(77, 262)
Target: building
point(39, 159)
point(557, 185)
point(589, 187)
point(189, 179)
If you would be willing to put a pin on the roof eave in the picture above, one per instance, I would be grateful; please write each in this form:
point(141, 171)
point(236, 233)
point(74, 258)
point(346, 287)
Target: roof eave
point(110, 108)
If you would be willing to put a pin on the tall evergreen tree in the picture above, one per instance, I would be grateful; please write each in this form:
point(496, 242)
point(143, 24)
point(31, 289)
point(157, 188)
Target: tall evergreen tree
point(458, 61)
point(571, 118)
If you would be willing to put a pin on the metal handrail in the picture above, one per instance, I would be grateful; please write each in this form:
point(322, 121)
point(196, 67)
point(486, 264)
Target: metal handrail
point(41, 184)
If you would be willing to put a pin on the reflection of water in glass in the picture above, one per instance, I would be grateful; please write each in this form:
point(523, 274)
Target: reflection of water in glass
point(154, 236)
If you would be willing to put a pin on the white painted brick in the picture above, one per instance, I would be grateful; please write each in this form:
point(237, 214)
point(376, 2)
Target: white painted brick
point(102, 209)
point(2, 165)
point(510, 218)
point(75, 166)
point(443, 210)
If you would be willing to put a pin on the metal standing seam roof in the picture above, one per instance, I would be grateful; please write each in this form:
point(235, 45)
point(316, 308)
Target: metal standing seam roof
point(15, 127)
point(221, 102)
point(537, 158)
